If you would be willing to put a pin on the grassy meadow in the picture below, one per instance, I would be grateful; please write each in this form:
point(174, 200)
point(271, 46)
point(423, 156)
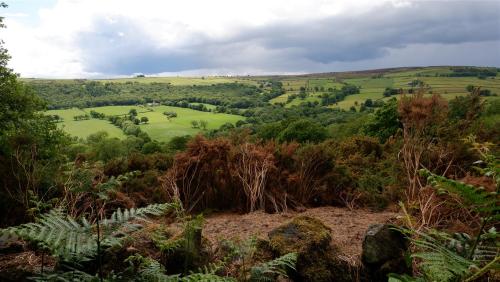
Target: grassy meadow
point(158, 128)
point(162, 129)
point(84, 128)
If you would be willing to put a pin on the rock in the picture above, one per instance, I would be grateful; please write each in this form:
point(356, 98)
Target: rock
point(317, 260)
point(384, 251)
point(300, 235)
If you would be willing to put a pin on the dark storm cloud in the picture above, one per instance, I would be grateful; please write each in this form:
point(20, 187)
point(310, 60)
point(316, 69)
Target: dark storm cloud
point(348, 38)
point(120, 47)
point(289, 46)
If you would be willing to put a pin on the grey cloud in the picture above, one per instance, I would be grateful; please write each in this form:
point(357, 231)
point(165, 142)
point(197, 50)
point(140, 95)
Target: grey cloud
point(291, 46)
point(343, 38)
point(121, 47)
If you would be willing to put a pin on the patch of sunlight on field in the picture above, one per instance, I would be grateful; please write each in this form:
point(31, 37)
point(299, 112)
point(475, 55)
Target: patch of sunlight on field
point(280, 99)
point(159, 127)
point(84, 128)
point(351, 100)
point(162, 129)
point(297, 101)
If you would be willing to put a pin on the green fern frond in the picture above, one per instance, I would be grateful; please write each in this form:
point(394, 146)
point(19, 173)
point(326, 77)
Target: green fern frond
point(120, 217)
point(438, 261)
point(479, 199)
point(152, 270)
point(403, 278)
point(169, 246)
point(212, 268)
point(73, 275)
point(202, 277)
point(70, 240)
point(268, 270)
point(62, 235)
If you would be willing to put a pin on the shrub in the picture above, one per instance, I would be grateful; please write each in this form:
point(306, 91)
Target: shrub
point(303, 131)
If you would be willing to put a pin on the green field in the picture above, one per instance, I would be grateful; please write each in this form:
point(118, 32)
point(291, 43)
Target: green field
point(159, 127)
point(84, 128)
point(373, 85)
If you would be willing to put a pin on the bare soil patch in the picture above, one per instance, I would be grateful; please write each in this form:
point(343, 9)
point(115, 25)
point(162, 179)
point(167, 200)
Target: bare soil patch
point(348, 226)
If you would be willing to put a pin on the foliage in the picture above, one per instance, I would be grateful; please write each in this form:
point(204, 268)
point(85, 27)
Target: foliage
point(303, 131)
point(478, 199)
point(269, 270)
point(466, 108)
point(29, 145)
point(471, 71)
point(423, 119)
point(391, 92)
point(71, 240)
point(334, 96)
point(151, 270)
point(385, 122)
point(445, 258)
point(278, 158)
point(82, 93)
point(450, 258)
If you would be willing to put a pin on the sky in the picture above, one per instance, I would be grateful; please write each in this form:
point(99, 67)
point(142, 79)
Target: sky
point(119, 38)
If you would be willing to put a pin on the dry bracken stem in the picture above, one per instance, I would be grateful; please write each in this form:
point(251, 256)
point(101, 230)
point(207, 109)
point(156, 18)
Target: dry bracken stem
point(252, 171)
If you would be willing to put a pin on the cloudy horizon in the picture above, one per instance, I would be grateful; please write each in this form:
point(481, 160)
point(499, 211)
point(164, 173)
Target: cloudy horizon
point(114, 38)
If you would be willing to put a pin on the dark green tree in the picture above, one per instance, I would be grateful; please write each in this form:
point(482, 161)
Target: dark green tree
point(369, 103)
point(303, 131)
point(385, 122)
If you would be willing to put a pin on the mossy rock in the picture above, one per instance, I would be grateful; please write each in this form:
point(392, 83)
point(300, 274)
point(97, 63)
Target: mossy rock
point(300, 235)
point(317, 260)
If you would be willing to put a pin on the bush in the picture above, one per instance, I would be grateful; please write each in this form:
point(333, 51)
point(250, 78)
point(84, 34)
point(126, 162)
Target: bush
point(151, 147)
point(385, 122)
point(303, 131)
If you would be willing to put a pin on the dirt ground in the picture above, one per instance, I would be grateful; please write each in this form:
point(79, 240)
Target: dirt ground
point(348, 226)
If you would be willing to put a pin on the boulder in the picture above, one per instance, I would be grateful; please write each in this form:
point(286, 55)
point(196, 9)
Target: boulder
point(384, 249)
point(317, 259)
